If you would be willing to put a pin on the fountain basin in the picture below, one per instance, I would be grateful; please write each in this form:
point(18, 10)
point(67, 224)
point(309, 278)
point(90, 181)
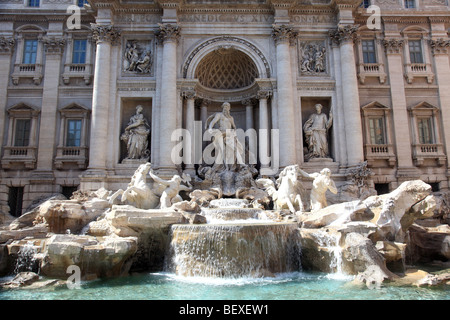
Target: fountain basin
point(234, 250)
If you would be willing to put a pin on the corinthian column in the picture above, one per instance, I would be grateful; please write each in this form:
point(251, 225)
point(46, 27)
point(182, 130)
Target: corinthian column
point(343, 36)
point(168, 35)
point(105, 36)
point(283, 36)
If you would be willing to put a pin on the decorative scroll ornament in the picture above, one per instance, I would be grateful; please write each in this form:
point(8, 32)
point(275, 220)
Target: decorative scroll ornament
point(168, 32)
point(54, 45)
point(393, 46)
point(343, 33)
point(6, 45)
point(283, 33)
point(107, 33)
point(439, 46)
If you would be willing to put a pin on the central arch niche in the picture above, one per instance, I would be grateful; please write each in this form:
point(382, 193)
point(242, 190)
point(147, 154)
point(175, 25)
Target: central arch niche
point(226, 69)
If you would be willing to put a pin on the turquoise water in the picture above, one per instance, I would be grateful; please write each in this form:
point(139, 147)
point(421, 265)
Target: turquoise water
point(166, 286)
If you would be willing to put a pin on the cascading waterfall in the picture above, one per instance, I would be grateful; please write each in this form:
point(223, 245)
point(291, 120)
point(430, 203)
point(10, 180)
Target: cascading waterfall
point(234, 250)
point(330, 242)
point(27, 258)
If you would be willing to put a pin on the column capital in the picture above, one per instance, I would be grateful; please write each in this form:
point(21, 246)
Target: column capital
point(168, 32)
point(439, 46)
point(248, 102)
point(6, 45)
point(393, 45)
point(283, 33)
point(54, 45)
point(343, 33)
point(189, 94)
point(102, 33)
point(263, 94)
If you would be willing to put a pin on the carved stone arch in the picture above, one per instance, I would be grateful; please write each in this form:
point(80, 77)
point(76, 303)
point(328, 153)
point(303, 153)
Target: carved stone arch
point(229, 42)
point(30, 28)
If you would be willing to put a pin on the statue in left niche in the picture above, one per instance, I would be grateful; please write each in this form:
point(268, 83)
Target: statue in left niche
point(136, 60)
point(136, 136)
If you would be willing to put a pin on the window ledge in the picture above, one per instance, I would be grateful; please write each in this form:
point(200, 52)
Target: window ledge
point(414, 70)
point(19, 156)
point(423, 152)
point(72, 70)
point(23, 70)
point(71, 155)
point(371, 70)
point(380, 152)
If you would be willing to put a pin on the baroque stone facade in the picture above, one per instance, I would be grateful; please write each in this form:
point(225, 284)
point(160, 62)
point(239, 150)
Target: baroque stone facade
point(67, 94)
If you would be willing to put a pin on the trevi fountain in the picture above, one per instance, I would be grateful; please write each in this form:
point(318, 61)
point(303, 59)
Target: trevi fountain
point(228, 232)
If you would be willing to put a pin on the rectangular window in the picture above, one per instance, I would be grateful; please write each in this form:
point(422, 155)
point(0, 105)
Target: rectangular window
point(79, 52)
point(376, 128)
point(81, 3)
point(415, 51)
point(30, 51)
point(425, 127)
point(33, 3)
point(368, 49)
point(73, 138)
point(22, 133)
point(15, 199)
point(410, 4)
point(365, 3)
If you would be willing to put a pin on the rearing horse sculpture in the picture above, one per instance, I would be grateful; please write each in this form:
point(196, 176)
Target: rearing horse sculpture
point(287, 192)
point(138, 192)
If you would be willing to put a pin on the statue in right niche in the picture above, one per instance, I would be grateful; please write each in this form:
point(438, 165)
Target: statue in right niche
point(316, 133)
point(136, 136)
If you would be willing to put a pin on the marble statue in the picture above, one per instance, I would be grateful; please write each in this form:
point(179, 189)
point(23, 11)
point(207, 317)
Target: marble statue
point(286, 193)
point(136, 136)
point(173, 186)
point(316, 131)
point(138, 193)
point(228, 148)
point(321, 183)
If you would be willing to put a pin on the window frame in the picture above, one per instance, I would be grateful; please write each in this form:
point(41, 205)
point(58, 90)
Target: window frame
point(76, 51)
point(374, 52)
point(33, 3)
point(413, 53)
point(77, 130)
point(22, 133)
point(33, 58)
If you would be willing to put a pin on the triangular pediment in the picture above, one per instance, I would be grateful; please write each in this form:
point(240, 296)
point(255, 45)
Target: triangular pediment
point(423, 106)
point(375, 105)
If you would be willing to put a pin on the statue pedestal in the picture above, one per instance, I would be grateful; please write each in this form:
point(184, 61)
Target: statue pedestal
point(317, 164)
point(135, 163)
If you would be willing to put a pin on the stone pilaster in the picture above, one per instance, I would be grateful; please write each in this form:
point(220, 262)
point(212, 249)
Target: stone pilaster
point(168, 35)
point(284, 36)
point(394, 51)
point(343, 36)
point(54, 47)
point(6, 50)
point(105, 36)
point(440, 49)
